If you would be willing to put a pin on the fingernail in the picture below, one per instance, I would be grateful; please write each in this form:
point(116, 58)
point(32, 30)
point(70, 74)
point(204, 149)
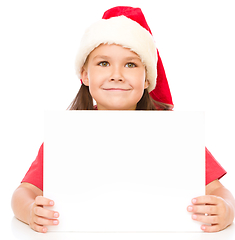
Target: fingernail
point(194, 200)
point(51, 203)
point(203, 227)
point(56, 215)
point(190, 209)
point(44, 230)
point(55, 222)
point(194, 217)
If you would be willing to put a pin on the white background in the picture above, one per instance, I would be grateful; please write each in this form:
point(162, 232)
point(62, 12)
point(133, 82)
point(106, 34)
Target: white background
point(39, 41)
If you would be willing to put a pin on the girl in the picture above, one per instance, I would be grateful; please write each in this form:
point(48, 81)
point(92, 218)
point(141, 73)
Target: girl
point(117, 65)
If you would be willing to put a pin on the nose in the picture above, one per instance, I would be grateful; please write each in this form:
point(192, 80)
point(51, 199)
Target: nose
point(116, 74)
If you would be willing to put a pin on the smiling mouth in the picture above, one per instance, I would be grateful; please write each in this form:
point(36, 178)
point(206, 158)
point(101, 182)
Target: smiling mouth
point(116, 89)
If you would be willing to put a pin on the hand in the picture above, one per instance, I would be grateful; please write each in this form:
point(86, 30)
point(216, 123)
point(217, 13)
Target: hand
point(210, 210)
point(41, 217)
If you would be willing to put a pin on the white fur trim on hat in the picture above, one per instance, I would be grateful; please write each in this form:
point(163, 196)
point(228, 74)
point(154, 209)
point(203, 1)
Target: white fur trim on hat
point(125, 32)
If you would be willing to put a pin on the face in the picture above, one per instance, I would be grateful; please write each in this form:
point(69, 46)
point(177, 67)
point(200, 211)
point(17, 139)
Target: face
point(115, 76)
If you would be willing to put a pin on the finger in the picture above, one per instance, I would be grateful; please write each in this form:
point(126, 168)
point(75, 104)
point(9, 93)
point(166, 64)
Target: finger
point(206, 219)
point(45, 222)
point(40, 200)
point(42, 212)
point(207, 199)
point(38, 228)
point(210, 229)
point(203, 209)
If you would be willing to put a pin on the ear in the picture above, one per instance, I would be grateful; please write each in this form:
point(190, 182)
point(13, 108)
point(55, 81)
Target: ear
point(84, 76)
point(146, 83)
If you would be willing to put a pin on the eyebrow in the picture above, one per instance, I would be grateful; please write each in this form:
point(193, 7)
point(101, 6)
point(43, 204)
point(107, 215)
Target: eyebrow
point(132, 58)
point(102, 57)
point(107, 57)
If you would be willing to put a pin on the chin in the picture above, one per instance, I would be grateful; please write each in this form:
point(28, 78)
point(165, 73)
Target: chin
point(118, 107)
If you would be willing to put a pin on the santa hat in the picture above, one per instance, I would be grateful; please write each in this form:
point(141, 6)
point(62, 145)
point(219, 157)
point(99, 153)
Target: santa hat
point(127, 26)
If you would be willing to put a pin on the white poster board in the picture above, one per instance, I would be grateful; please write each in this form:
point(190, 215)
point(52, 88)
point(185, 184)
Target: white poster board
point(124, 171)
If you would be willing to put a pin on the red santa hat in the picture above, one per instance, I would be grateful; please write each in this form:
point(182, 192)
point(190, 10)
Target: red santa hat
point(127, 26)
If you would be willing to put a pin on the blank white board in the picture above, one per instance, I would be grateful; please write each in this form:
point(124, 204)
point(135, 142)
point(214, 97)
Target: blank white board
point(124, 171)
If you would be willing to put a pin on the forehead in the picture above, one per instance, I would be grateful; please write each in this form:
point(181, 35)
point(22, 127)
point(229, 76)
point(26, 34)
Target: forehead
point(113, 50)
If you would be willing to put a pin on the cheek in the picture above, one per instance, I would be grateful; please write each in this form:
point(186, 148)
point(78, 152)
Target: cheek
point(94, 86)
point(97, 76)
point(139, 77)
point(93, 77)
point(139, 82)
point(93, 89)
point(139, 87)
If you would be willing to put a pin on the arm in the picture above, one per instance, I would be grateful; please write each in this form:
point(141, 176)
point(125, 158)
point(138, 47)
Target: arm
point(27, 205)
point(217, 207)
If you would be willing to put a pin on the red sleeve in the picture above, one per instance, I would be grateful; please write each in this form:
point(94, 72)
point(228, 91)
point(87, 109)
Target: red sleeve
point(35, 172)
point(213, 169)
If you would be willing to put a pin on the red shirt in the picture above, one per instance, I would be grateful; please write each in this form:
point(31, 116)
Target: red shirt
point(35, 173)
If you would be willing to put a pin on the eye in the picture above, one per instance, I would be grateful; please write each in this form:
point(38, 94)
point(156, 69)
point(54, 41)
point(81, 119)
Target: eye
point(130, 65)
point(103, 64)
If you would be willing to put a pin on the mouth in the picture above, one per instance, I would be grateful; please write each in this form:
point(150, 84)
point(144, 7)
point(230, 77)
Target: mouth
point(116, 89)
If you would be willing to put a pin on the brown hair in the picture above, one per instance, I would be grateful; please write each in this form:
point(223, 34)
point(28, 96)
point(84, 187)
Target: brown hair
point(84, 101)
